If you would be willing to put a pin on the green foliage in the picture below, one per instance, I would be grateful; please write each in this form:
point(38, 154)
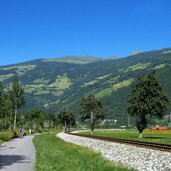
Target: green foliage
point(95, 77)
point(2, 101)
point(41, 81)
point(147, 97)
point(62, 82)
point(16, 93)
point(104, 92)
point(122, 84)
point(161, 66)
point(52, 120)
point(66, 118)
point(35, 119)
point(135, 67)
point(10, 101)
point(6, 136)
point(91, 108)
point(4, 77)
point(6, 109)
point(53, 154)
point(161, 121)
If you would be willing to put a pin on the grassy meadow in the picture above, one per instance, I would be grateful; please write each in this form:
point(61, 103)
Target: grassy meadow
point(53, 154)
point(132, 134)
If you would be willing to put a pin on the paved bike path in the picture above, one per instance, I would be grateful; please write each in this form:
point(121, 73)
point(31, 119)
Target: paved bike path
point(18, 155)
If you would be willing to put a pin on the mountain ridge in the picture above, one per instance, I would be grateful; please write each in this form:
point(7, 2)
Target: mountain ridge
point(52, 85)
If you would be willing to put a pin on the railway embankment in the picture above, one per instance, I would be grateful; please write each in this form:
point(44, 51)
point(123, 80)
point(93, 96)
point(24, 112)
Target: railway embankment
point(140, 158)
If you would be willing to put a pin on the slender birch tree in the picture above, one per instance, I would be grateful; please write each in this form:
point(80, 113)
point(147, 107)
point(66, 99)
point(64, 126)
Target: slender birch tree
point(16, 95)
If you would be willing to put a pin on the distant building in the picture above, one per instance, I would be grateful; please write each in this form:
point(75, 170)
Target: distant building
point(158, 128)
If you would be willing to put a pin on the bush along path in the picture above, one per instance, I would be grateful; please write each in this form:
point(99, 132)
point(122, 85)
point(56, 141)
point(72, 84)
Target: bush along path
point(18, 155)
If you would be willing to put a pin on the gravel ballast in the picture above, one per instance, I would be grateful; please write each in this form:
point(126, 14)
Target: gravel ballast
point(133, 157)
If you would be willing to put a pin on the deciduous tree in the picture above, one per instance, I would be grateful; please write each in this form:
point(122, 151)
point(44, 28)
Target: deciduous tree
point(66, 118)
point(147, 97)
point(16, 95)
point(5, 108)
point(91, 108)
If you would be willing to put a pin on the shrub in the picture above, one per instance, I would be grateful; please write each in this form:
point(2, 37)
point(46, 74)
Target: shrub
point(6, 135)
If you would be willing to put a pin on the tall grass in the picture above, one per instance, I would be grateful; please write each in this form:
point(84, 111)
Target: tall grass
point(53, 154)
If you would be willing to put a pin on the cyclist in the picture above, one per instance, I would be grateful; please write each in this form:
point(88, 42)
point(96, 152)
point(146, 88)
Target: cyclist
point(21, 132)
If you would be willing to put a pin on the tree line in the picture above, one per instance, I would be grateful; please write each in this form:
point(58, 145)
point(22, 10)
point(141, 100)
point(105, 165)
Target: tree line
point(11, 99)
point(146, 98)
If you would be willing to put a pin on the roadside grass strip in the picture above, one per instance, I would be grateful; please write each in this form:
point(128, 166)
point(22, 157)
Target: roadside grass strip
point(132, 134)
point(53, 154)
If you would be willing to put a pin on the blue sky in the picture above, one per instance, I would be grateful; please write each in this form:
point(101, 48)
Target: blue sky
point(31, 29)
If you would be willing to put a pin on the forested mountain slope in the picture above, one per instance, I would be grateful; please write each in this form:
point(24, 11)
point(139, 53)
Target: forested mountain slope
point(53, 83)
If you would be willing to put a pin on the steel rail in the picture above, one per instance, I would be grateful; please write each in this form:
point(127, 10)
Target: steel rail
point(152, 145)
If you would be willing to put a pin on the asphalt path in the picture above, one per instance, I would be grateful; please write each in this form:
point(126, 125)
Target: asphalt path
point(18, 155)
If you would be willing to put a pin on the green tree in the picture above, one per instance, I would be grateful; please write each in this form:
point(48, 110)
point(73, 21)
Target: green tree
point(51, 120)
point(2, 106)
point(91, 108)
point(2, 101)
point(5, 108)
point(66, 118)
point(35, 119)
point(147, 97)
point(16, 95)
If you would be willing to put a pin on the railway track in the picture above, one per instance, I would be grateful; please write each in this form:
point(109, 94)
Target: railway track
point(151, 145)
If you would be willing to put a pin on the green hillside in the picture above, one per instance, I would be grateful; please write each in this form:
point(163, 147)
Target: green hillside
point(74, 59)
point(53, 83)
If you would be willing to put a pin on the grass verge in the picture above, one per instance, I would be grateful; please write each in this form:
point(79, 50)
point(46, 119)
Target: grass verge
point(53, 154)
point(132, 134)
